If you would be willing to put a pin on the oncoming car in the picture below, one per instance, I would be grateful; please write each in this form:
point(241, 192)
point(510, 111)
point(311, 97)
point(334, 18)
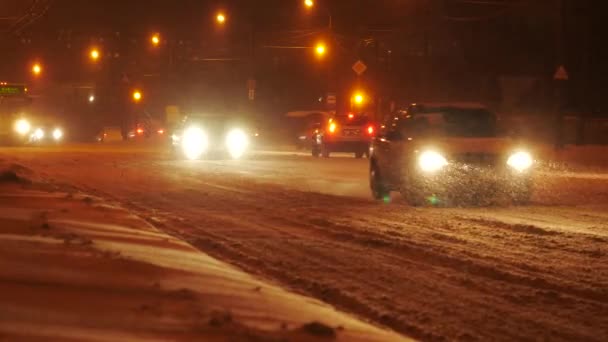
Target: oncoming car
point(446, 153)
point(29, 131)
point(343, 133)
point(202, 135)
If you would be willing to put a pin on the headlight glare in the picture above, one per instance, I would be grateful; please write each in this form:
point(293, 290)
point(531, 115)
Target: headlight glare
point(520, 161)
point(431, 161)
point(237, 143)
point(194, 143)
point(22, 126)
point(57, 134)
point(39, 134)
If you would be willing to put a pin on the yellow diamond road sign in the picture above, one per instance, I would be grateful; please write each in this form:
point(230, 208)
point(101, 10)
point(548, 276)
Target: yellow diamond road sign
point(359, 68)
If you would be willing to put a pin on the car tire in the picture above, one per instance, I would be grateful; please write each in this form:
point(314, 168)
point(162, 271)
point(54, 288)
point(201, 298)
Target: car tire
point(412, 194)
point(377, 184)
point(325, 152)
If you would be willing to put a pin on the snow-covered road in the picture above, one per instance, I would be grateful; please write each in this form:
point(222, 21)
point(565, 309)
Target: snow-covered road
point(490, 273)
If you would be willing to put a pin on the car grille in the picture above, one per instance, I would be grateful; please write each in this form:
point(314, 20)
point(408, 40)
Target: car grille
point(477, 159)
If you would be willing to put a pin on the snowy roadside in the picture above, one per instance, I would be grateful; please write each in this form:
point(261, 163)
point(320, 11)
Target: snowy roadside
point(75, 267)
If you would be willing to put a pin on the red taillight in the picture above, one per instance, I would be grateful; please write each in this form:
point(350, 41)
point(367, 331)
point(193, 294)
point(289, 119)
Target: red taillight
point(332, 127)
point(370, 130)
point(351, 116)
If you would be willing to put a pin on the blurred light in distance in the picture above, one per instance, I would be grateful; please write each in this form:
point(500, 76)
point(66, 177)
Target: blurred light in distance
point(359, 98)
point(332, 127)
point(155, 39)
point(39, 134)
point(370, 130)
point(351, 115)
point(220, 18)
point(194, 143)
point(140, 131)
point(309, 3)
point(57, 134)
point(22, 126)
point(94, 54)
point(36, 69)
point(320, 50)
point(137, 96)
point(520, 161)
point(91, 98)
point(237, 143)
point(431, 161)
point(161, 131)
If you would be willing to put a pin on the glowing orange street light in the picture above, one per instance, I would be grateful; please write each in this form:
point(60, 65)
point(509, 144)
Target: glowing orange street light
point(37, 69)
point(320, 50)
point(94, 54)
point(309, 3)
point(137, 96)
point(155, 39)
point(220, 18)
point(358, 98)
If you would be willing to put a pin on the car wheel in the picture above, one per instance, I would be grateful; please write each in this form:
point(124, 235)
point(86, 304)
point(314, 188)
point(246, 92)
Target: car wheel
point(325, 152)
point(377, 184)
point(412, 194)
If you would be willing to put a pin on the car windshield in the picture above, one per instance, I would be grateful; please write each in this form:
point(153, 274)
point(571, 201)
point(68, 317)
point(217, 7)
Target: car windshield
point(457, 122)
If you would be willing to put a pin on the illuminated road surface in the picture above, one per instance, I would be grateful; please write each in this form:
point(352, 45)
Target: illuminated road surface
point(493, 273)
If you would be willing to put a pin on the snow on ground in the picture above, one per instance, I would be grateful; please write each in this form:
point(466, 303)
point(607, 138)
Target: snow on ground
point(489, 273)
point(74, 267)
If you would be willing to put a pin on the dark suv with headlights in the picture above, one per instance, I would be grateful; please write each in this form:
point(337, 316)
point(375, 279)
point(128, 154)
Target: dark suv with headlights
point(448, 153)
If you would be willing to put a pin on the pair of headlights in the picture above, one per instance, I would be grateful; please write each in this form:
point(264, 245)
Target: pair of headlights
point(24, 127)
point(432, 161)
point(195, 143)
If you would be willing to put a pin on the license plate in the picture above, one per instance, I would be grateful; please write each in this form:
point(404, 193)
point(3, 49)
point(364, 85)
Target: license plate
point(351, 132)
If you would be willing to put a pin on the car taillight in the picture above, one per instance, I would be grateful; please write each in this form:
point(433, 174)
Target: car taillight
point(332, 127)
point(370, 130)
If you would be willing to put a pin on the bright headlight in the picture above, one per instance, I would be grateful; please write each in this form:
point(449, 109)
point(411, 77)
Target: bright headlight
point(39, 134)
point(22, 126)
point(520, 161)
point(57, 134)
point(194, 143)
point(431, 161)
point(237, 143)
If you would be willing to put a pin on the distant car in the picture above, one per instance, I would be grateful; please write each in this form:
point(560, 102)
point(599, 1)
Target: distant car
point(34, 131)
point(437, 153)
point(347, 133)
point(206, 135)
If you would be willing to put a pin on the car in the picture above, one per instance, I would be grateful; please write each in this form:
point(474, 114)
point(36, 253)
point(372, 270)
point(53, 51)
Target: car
point(211, 135)
point(441, 153)
point(343, 133)
point(34, 131)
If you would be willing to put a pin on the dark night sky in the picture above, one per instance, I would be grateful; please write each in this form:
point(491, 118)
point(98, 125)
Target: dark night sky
point(474, 36)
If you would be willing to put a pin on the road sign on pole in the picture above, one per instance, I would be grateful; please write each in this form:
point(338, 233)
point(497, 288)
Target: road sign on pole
point(359, 68)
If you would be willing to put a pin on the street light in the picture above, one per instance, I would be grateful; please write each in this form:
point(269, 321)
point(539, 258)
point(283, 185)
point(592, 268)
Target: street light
point(94, 54)
point(358, 98)
point(220, 18)
point(320, 49)
point(137, 96)
point(155, 39)
point(36, 69)
point(309, 3)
